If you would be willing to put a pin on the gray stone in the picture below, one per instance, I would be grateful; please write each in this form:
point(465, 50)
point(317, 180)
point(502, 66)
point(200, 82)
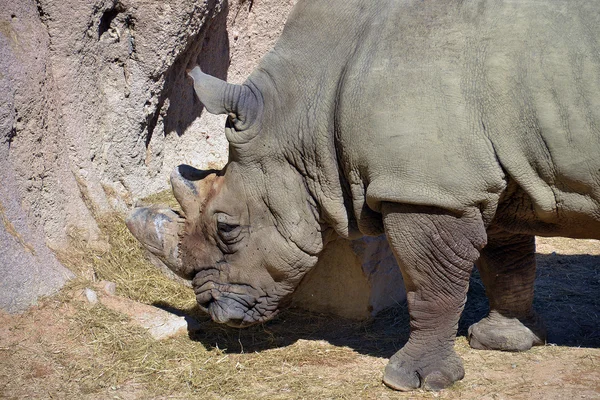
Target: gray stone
point(90, 295)
point(353, 279)
point(163, 325)
point(82, 90)
point(28, 269)
point(110, 288)
point(159, 323)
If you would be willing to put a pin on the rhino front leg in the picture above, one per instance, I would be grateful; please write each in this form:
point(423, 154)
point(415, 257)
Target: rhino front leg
point(507, 268)
point(436, 252)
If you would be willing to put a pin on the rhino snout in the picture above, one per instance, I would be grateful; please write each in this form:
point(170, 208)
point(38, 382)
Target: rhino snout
point(236, 305)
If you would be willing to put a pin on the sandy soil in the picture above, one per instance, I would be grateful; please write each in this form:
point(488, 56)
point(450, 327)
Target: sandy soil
point(63, 349)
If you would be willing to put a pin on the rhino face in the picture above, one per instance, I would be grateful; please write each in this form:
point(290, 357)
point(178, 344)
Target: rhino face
point(244, 258)
point(244, 246)
point(248, 233)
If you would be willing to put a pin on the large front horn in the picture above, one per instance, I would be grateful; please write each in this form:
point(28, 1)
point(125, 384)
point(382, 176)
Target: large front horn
point(242, 103)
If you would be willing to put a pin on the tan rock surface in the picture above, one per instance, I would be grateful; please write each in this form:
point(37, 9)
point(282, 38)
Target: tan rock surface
point(159, 323)
point(96, 111)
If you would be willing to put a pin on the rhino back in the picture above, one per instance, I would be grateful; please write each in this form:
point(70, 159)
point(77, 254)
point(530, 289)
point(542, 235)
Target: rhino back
point(439, 103)
point(443, 105)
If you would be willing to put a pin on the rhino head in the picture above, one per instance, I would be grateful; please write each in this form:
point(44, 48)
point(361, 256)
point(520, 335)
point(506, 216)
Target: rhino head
point(248, 233)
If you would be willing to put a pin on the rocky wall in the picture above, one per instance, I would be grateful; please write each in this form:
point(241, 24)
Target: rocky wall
point(96, 110)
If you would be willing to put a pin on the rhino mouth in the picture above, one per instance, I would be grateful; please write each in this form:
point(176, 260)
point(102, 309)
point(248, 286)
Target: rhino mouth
point(236, 305)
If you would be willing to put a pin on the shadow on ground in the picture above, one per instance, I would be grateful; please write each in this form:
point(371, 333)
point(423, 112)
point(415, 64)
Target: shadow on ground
point(567, 297)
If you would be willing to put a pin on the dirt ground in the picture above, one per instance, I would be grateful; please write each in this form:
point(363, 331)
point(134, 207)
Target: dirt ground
point(66, 348)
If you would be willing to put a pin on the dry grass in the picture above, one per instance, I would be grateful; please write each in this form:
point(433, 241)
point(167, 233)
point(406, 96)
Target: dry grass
point(10, 229)
point(126, 264)
point(218, 362)
point(67, 348)
point(164, 198)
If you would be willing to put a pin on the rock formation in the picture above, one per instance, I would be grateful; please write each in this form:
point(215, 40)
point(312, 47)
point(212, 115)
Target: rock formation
point(96, 110)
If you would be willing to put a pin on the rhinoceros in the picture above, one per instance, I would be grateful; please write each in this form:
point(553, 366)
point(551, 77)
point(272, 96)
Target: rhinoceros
point(460, 129)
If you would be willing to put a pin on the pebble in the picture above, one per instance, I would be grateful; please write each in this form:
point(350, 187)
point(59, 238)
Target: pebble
point(90, 295)
point(159, 323)
point(109, 288)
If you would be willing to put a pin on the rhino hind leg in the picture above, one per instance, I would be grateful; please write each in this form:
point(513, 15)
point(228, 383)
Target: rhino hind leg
point(497, 332)
point(507, 267)
point(436, 252)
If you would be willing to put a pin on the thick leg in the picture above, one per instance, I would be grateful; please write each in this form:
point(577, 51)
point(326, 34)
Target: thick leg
point(507, 268)
point(436, 252)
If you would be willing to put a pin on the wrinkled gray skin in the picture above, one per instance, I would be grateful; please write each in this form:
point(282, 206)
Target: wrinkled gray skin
point(461, 129)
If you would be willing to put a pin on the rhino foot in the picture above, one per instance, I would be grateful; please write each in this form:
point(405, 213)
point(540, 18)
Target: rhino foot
point(406, 373)
point(497, 332)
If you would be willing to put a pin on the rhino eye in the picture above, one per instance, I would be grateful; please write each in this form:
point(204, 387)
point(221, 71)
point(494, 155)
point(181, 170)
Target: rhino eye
point(226, 228)
point(228, 232)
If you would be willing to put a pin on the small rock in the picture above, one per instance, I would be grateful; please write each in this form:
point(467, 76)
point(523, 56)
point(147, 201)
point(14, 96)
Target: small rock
point(159, 323)
point(162, 325)
point(109, 288)
point(90, 295)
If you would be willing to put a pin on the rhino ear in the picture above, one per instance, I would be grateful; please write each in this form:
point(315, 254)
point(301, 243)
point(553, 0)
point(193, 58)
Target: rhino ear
point(242, 103)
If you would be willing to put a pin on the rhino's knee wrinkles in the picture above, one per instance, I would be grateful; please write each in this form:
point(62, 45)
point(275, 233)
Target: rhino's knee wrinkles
point(436, 251)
